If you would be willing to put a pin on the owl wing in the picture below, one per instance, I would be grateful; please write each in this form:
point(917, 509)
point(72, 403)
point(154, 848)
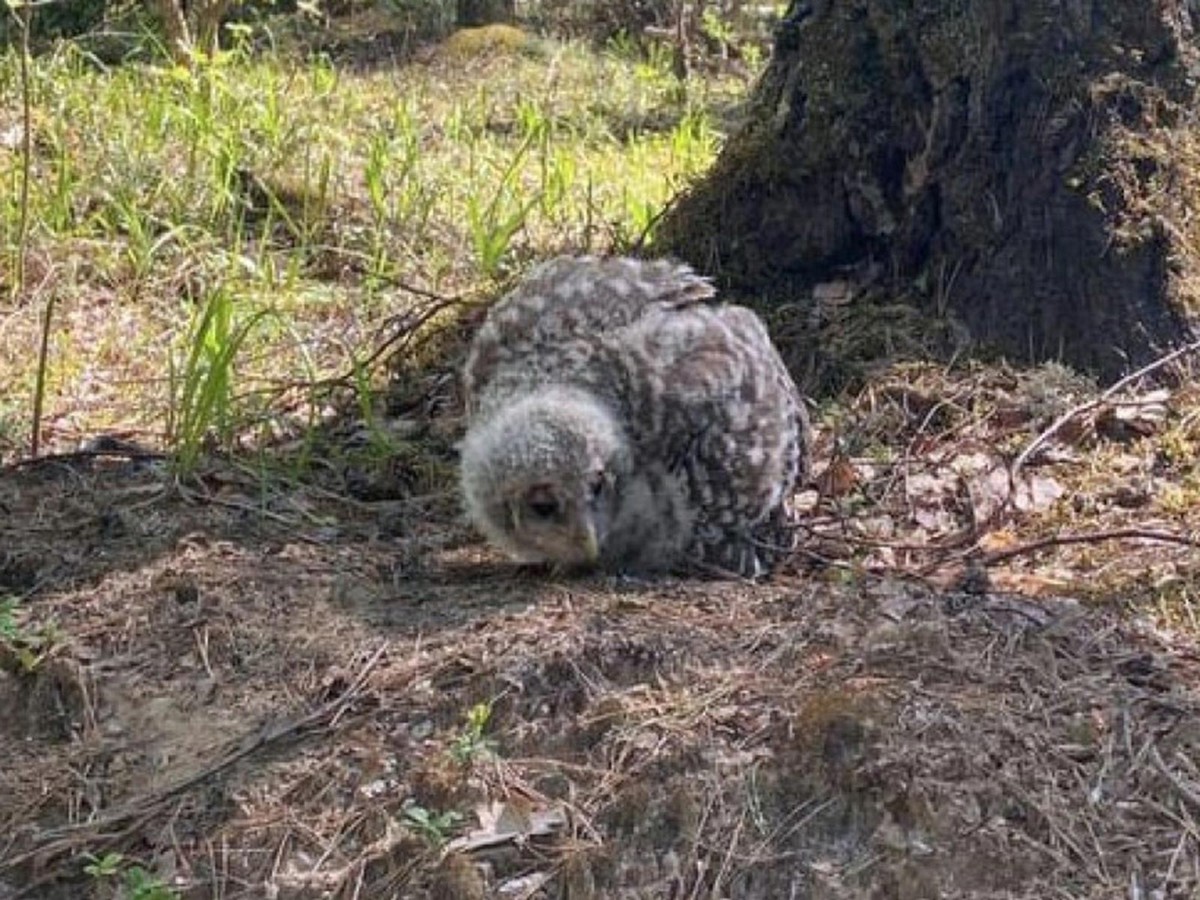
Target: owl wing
point(554, 318)
point(721, 407)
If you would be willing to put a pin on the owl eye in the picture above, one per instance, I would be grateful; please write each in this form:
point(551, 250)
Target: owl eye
point(597, 486)
point(543, 508)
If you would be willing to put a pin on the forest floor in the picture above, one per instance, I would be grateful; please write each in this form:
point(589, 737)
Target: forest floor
point(250, 689)
point(288, 669)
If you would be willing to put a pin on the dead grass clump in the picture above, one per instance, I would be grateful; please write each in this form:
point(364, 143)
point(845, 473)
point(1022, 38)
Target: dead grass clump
point(838, 341)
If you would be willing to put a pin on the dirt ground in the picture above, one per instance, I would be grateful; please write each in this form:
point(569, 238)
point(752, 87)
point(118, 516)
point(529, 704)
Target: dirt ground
point(279, 696)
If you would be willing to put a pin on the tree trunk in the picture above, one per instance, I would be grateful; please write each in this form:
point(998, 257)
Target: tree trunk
point(485, 12)
point(175, 29)
point(1021, 166)
point(209, 14)
point(202, 32)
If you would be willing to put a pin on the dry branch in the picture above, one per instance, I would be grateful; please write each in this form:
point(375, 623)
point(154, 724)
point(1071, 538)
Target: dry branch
point(1091, 537)
point(1095, 403)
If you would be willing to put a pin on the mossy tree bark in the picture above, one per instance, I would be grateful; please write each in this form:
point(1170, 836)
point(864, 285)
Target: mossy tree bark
point(1020, 165)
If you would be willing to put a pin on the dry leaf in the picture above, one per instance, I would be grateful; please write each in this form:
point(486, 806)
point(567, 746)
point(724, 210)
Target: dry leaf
point(1140, 418)
point(1036, 492)
point(524, 886)
point(989, 492)
point(513, 821)
point(1031, 584)
point(1000, 539)
point(839, 478)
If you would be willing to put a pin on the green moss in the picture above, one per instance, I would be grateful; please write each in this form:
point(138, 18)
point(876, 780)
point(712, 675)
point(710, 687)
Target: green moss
point(487, 40)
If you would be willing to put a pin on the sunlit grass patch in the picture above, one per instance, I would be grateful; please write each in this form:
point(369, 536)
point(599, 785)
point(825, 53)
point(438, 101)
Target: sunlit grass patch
point(301, 192)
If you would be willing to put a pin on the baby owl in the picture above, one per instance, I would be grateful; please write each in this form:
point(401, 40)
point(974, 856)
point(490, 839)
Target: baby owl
point(616, 417)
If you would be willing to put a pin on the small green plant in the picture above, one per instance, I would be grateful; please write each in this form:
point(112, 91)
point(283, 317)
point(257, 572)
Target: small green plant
point(493, 225)
point(752, 55)
point(105, 866)
point(128, 882)
point(138, 884)
point(623, 47)
point(9, 629)
point(202, 388)
point(718, 30)
point(29, 646)
point(433, 827)
point(375, 175)
point(657, 68)
point(471, 743)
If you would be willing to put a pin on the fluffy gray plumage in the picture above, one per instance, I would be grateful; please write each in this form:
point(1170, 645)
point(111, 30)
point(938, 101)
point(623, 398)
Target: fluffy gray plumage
point(616, 416)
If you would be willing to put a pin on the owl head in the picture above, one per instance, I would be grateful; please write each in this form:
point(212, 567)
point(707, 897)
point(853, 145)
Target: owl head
point(540, 477)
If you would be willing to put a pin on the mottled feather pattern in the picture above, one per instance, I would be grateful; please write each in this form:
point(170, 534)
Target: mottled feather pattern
point(683, 407)
point(563, 306)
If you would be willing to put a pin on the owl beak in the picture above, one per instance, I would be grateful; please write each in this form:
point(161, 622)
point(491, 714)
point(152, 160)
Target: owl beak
point(591, 544)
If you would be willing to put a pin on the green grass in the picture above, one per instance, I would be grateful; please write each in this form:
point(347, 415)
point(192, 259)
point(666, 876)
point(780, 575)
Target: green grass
point(296, 193)
point(202, 394)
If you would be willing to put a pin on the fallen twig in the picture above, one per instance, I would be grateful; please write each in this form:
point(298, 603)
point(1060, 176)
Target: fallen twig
point(1094, 403)
point(1090, 537)
point(102, 450)
point(398, 331)
point(404, 327)
point(1185, 791)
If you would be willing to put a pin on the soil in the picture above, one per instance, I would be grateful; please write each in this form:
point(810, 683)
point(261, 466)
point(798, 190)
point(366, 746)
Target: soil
point(256, 695)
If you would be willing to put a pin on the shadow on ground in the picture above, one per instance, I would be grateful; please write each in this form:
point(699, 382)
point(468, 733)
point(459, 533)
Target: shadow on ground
point(252, 707)
point(251, 687)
